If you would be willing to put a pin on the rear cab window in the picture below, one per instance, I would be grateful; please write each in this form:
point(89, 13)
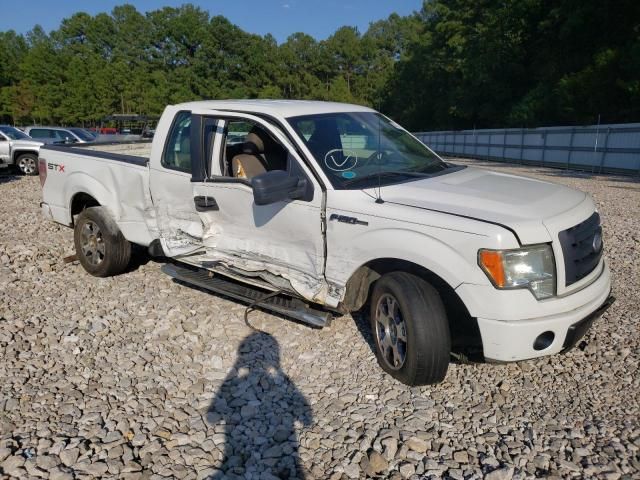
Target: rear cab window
point(177, 150)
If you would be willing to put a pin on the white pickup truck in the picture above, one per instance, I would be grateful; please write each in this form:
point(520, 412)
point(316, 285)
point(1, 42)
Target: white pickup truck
point(312, 209)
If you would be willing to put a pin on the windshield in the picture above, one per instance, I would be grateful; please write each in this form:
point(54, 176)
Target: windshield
point(365, 149)
point(82, 134)
point(14, 134)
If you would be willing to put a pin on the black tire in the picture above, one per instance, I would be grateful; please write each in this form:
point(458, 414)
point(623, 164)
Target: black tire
point(427, 342)
point(100, 246)
point(27, 164)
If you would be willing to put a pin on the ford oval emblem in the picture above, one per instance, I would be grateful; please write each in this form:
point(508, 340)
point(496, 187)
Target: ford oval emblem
point(597, 242)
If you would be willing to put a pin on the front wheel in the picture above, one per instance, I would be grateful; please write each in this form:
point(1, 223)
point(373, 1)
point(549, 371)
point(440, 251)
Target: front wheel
point(410, 329)
point(100, 246)
point(27, 163)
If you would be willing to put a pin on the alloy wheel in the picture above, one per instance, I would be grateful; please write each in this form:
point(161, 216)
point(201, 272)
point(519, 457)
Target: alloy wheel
point(92, 243)
point(27, 165)
point(391, 331)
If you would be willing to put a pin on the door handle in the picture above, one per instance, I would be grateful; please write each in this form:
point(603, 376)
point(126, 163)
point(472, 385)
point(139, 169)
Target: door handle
point(205, 204)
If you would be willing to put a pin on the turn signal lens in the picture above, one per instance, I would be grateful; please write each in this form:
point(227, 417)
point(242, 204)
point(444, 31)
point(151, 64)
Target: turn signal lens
point(491, 263)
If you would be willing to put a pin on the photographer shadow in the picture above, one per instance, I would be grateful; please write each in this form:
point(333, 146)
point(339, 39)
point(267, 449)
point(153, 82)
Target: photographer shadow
point(257, 407)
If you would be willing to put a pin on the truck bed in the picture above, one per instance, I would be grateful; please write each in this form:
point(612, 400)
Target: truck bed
point(138, 148)
point(119, 151)
point(114, 175)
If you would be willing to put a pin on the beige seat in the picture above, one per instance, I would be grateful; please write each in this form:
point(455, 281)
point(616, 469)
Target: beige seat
point(259, 155)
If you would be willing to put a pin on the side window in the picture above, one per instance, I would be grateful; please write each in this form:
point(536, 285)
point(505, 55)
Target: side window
point(250, 150)
point(237, 131)
point(177, 151)
point(41, 133)
point(61, 135)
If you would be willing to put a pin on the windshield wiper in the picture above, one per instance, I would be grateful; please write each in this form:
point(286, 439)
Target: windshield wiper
point(375, 176)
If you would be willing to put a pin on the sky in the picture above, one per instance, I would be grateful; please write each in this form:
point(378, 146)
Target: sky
point(318, 18)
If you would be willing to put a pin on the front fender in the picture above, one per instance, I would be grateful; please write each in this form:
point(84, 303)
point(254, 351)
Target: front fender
point(441, 255)
point(16, 152)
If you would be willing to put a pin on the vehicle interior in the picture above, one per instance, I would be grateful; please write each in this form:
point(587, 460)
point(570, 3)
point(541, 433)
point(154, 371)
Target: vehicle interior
point(249, 150)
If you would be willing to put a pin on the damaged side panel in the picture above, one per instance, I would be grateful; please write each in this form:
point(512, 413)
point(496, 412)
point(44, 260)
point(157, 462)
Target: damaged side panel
point(180, 232)
point(176, 221)
point(281, 243)
point(246, 266)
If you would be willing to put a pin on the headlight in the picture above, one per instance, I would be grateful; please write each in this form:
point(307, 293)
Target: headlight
point(528, 267)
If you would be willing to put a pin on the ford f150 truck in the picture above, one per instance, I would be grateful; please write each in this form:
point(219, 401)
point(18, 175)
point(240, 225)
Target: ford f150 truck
point(312, 209)
point(18, 149)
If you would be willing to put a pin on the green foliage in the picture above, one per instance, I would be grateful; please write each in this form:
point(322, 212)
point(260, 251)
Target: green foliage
point(454, 64)
point(12, 49)
point(519, 63)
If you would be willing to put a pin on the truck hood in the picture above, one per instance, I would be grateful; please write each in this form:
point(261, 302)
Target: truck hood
point(30, 144)
point(519, 203)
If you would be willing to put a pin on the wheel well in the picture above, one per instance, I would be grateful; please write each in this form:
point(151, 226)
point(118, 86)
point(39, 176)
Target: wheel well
point(81, 201)
point(465, 334)
point(18, 153)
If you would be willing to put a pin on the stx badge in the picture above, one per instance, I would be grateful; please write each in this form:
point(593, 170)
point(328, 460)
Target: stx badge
point(56, 167)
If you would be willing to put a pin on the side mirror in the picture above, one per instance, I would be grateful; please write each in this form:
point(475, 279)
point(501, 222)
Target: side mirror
point(275, 186)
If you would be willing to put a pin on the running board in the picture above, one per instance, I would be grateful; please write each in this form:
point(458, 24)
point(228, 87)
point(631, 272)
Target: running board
point(284, 305)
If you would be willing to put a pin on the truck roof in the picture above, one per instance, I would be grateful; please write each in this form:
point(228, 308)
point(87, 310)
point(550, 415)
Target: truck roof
point(283, 108)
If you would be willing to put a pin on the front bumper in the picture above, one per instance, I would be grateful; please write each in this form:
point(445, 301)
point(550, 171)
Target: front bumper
point(513, 340)
point(578, 330)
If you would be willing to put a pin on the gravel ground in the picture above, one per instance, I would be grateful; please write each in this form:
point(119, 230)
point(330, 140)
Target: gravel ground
point(139, 377)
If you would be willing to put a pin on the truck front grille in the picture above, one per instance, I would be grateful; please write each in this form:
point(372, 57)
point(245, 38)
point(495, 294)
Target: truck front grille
point(581, 248)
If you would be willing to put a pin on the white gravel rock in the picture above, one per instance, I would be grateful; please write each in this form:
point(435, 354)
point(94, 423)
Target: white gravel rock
point(138, 377)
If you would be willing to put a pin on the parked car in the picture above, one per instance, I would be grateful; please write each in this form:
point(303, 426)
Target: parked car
point(19, 150)
point(329, 208)
point(60, 134)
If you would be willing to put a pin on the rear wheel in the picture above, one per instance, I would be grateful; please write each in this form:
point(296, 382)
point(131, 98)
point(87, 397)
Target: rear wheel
point(410, 329)
point(100, 246)
point(27, 163)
